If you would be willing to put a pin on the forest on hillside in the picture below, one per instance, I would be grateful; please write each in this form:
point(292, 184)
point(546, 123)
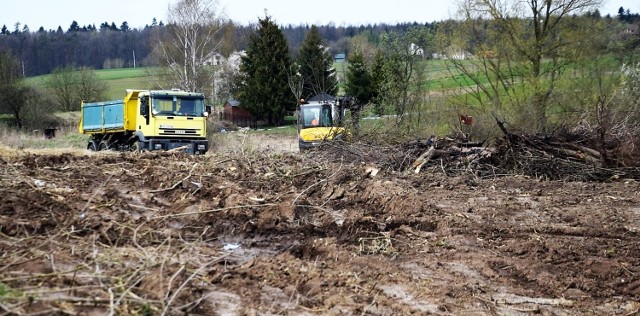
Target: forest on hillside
point(110, 46)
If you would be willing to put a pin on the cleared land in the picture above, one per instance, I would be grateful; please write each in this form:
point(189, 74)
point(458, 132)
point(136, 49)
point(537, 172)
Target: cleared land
point(284, 233)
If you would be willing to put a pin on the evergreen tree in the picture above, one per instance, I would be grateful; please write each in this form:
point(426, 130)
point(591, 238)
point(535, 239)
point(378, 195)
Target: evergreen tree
point(316, 65)
point(359, 79)
point(74, 27)
point(358, 86)
point(263, 84)
point(377, 82)
point(621, 14)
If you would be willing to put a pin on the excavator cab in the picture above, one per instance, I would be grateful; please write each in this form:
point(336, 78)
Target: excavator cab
point(317, 123)
point(315, 115)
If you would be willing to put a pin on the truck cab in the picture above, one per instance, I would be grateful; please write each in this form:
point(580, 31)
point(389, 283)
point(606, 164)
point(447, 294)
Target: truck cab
point(171, 119)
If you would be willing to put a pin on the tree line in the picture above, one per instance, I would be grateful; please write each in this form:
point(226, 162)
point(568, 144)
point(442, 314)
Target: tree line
point(111, 46)
point(41, 52)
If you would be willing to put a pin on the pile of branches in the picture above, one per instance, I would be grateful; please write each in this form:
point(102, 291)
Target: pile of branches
point(391, 157)
point(452, 153)
point(565, 155)
point(569, 156)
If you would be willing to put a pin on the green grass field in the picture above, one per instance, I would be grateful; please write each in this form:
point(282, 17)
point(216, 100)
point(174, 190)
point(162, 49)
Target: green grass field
point(117, 80)
point(116, 87)
point(123, 73)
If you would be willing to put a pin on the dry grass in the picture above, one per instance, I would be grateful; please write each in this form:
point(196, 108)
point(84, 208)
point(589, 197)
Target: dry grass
point(66, 138)
point(243, 142)
point(11, 152)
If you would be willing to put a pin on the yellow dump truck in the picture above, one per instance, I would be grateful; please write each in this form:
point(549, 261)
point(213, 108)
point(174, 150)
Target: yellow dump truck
point(147, 120)
point(318, 121)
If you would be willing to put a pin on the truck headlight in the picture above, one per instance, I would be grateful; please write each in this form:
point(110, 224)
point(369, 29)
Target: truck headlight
point(158, 146)
point(202, 147)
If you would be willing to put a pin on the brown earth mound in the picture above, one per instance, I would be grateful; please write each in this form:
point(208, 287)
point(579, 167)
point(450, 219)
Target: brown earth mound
point(169, 233)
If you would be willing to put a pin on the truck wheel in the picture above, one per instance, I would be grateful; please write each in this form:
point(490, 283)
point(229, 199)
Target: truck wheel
point(104, 146)
point(93, 146)
point(136, 147)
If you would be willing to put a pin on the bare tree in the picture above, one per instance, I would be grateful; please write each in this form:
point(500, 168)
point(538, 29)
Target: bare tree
point(13, 92)
point(194, 34)
point(26, 104)
point(403, 71)
point(72, 85)
point(296, 82)
point(517, 43)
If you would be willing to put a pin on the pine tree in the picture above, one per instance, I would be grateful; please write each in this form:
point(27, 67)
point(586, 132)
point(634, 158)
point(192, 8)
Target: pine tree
point(74, 27)
point(316, 65)
point(358, 86)
point(359, 79)
point(377, 82)
point(621, 14)
point(263, 85)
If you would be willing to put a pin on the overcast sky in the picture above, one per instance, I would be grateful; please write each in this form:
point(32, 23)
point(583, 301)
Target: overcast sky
point(53, 13)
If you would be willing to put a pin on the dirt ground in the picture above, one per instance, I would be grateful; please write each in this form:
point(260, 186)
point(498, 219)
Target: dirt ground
point(267, 233)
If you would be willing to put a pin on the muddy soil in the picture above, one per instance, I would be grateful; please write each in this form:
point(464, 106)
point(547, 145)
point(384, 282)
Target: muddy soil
point(284, 233)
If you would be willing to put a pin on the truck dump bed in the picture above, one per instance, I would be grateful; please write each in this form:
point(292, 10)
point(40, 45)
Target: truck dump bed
point(99, 117)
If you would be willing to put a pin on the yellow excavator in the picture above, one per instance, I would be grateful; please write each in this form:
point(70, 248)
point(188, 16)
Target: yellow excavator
point(320, 121)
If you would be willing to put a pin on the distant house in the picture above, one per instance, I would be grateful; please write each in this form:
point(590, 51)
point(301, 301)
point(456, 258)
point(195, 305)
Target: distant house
point(232, 112)
point(339, 58)
point(631, 29)
point(214, 59)
point(454, 53)
point(416, 50)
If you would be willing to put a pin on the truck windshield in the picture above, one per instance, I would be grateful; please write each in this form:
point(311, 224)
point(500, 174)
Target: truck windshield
point(316, 116)
point(178, 106)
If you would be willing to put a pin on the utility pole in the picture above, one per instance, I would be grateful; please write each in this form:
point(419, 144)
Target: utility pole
point(134, 59)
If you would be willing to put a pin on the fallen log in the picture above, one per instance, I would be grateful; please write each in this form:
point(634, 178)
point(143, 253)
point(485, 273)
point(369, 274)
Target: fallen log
point(423, 159)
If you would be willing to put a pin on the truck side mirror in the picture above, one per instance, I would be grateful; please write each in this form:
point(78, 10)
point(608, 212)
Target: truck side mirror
point(144, 108)
point(207, 110)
